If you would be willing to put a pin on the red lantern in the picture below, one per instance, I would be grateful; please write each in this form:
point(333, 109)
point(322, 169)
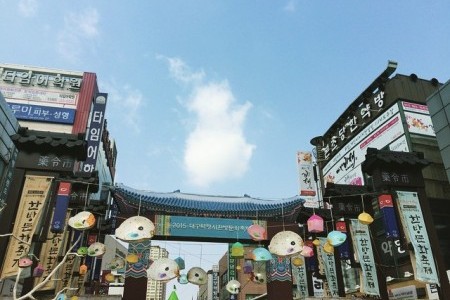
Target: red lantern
point(315, 223)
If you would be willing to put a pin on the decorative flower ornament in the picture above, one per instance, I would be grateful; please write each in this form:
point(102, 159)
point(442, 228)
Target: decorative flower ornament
point(135, 229)
point(285, 243)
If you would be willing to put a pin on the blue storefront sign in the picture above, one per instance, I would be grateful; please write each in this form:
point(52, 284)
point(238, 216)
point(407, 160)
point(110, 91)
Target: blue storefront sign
point(43, 113)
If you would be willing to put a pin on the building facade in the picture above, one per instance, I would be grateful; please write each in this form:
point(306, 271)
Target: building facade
point(65, 154)
point(390, 114)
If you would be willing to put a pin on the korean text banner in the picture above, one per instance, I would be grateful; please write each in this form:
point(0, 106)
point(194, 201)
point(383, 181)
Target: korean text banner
point(361, 239)
point(308, 187)
point(413, 222)
point(330, 269)
point(32, 201)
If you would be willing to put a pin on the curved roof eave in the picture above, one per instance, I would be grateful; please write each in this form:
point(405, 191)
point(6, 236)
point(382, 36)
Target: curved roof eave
point(208, 205)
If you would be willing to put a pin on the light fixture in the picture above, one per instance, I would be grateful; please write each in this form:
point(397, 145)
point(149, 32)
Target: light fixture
point(408, 274)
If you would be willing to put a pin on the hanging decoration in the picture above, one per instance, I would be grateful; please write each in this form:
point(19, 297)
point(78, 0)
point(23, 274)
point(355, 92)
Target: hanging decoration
point(25, 262)
point(336, 238)
point(96, 249)
point(180, 263)
point(328, 248)
point(364, 218)
point(233, 287)
point(389, 218)
point(82, 221)
point(83, 251)
point(261, 254)
point(182, 279)
point(135, 229)
point(315, 224)
point(110, 277)
point(286, 243)
point(117, 263)
point(83, 269)
point(132, 258)
point(173, 295)
point(38, 270)
point(307, 251)
point(344, 249)
point(259, 274)
point(163, 269)
point(197, 276)
point(248, 267)
point(237, 250)
point(316, 242)
point(257, 232)
point(297, 261)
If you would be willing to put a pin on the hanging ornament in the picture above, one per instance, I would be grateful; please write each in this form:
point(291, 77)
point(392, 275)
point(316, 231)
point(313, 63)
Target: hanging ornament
point(117, 263)
point(61, 297)
point(38, 271)
point(83, 269)
point(233, 287)
point(285, 243)
point(259, 277)
point(110, 277)
point(96, 249)
point(316, 242)
point(82, 251)
point(182, 279)
point(365, 218)
point(197, 276)
point(132, 258)
point(248, 267)
point(328, 248)
point(180, 263)
point(315, 223)
point(257, 232)
point(336, 238)
point(261, 254)
point(82, 220)
point(135, 229)
point(344, 249)
point(297, 261)
point(307, 251)
point(25, 261)
point(163, 269)
point(237, 250)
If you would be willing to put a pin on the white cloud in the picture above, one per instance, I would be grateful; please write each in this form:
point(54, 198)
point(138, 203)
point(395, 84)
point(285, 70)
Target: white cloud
point(181, 72)
point(216, 150)
point(78, 28)
point(27, 8)
point(291, 6)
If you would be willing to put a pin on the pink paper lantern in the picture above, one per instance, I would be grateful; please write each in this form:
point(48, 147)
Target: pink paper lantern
point(315, 223)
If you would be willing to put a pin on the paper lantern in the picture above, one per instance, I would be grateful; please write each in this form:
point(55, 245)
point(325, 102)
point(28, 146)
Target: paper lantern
point(82, 220)
point(238, 267)
point(110, 277)
point(82, 251)
point(180, 263)
point(297, 261)
point(233, 287)
point(197, 276)
point(38, 271)
point(257, 232)
point(117, 263)
point(135, 229)
point(315, 223)
point(83, 269)
point(25, 262)
point(259, 277)
point(328, 248)
point(285, 243)
point(96, 249)
point(307, 251)
point(336, 238)
point(237, 250)
point(132, 258)
point(261, 254)
point(365, 218)
point(61, 297)
point(182, 279)
point(248, 267)
point(163, 269)
point(316, 242)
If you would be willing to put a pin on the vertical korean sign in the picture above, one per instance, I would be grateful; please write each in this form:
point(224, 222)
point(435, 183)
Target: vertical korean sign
point(413, 221)
point(361, 239)
point(94, 133)
point(300, 275)
point(32, 201)
point(308, 187)
point(62, 203)
point(330, 269)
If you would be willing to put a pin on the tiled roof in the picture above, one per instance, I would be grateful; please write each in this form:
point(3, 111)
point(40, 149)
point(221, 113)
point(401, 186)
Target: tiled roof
point(52, 142)
point(206, 205)
point(375, 157)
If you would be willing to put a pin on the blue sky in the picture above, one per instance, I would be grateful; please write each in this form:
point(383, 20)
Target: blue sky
point(216, 97)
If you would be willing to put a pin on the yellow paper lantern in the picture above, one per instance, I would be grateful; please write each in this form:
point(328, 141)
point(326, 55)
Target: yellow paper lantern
point(110, 277)
point(365, 218)
point(83, 269)
point(297, 261)
point(132, 258)
point(238, 268)
point(316, 242)
point(328, 248)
